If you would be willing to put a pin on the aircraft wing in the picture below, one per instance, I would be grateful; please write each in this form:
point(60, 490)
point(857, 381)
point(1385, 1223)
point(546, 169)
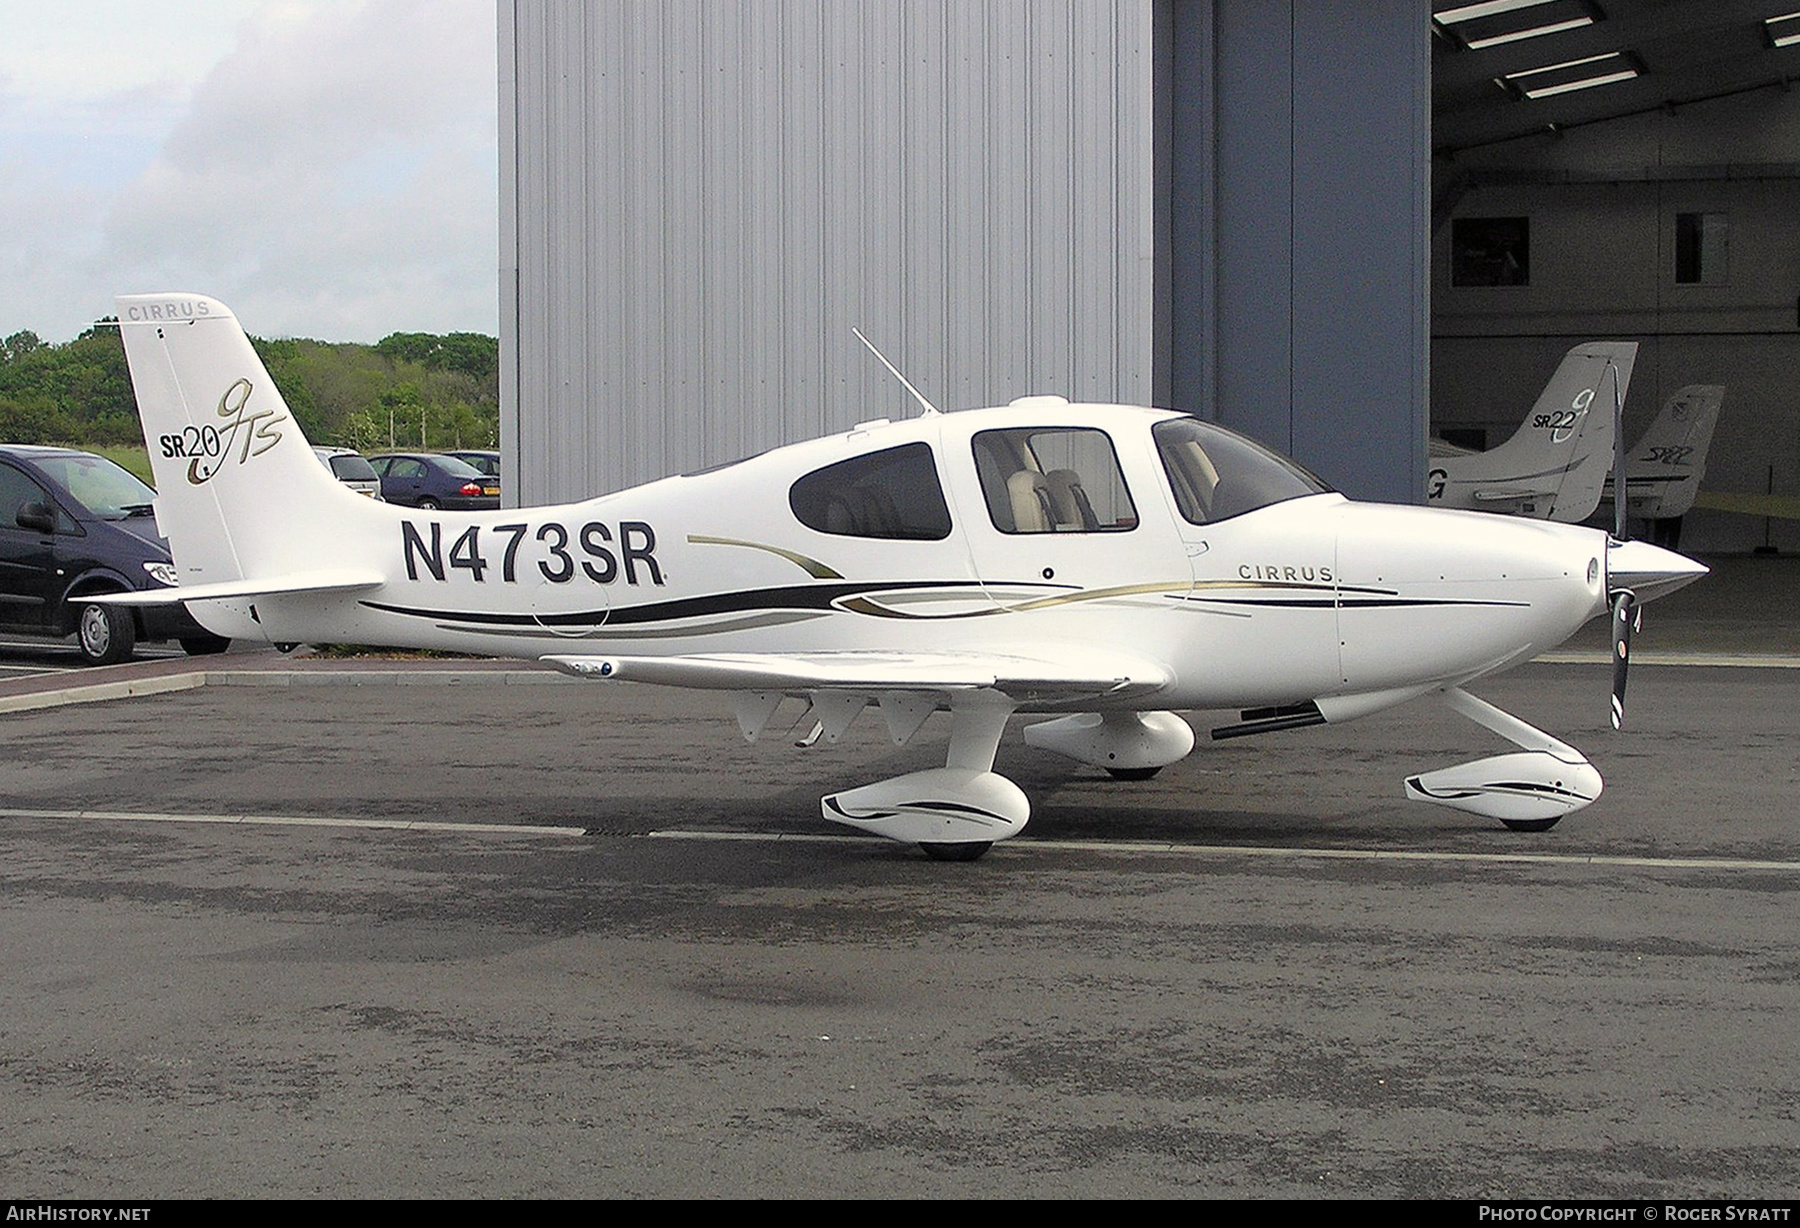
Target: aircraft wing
point(1085, 674)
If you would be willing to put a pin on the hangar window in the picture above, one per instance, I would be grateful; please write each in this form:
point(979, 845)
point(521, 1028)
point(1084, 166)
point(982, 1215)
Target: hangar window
point(1216, 474)
point(1701, 244)
point(1490, 251)
point(893, 494)
point(1053, 480)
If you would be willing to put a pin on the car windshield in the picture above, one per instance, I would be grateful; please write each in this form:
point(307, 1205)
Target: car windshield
point(106, 490)
point(1216, 473)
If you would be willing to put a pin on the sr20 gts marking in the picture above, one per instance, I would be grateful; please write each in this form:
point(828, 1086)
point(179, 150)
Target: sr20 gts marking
point(205, 446)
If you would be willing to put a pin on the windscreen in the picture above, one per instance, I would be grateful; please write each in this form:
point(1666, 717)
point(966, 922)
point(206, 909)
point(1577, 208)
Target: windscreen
point(1216, 474)
point(102, 487)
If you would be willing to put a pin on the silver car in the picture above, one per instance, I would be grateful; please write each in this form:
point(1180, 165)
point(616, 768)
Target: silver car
point(348, 466)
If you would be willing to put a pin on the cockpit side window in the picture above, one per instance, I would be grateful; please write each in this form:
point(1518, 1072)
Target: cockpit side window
point(1053, 480)
point(1216, 474)
point(890, 494)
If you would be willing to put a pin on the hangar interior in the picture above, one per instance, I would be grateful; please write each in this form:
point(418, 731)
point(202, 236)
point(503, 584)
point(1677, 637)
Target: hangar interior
point(1281, 215)
point(1661, 205)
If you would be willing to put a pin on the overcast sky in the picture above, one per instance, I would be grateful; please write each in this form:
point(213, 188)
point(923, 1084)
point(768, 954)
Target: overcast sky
point(327, 168)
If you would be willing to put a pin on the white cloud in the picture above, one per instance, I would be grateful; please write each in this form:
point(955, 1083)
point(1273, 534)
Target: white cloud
point(331, 174)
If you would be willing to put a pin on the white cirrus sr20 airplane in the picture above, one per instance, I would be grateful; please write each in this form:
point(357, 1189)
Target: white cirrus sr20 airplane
point(1555, 465)
point(1102, 565)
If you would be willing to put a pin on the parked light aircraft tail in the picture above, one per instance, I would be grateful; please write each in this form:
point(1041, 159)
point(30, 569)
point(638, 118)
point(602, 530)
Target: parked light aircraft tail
point(1666, 466)
point(1103, 565)
point(1556, 463)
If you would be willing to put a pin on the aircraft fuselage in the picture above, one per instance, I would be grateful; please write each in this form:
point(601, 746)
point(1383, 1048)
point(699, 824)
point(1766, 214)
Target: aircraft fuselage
point(1304, 598)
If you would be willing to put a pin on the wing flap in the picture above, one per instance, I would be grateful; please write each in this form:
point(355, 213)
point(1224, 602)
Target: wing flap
point(1086, 673)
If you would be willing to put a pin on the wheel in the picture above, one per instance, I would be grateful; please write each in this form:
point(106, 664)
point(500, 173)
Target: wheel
point(1532, 824)
point(965, 851)
point(204, 645)
point(428, 505)
point(105, 634)
point(1133, 773)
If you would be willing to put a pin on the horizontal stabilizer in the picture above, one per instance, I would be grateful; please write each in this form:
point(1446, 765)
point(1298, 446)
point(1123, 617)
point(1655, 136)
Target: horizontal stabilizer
point(1020, 677)
point(1491, 495)
point(341, 581)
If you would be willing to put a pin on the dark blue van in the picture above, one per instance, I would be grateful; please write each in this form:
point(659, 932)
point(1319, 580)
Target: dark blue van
point(74, 525)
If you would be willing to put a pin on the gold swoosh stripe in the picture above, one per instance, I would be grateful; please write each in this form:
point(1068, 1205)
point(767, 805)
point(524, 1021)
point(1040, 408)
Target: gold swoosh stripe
point(866, 605)
point(812, 567)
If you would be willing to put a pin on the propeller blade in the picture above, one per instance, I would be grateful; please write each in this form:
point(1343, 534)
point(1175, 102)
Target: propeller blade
point(1625, 616)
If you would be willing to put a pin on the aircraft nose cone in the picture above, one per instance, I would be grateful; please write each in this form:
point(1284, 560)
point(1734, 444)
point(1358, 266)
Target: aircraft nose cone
point(1649, 571)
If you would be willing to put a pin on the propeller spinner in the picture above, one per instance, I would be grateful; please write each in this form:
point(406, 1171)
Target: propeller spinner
point(1637, 572)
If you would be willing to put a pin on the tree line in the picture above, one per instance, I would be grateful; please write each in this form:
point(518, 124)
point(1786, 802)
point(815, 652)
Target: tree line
point(408, 390)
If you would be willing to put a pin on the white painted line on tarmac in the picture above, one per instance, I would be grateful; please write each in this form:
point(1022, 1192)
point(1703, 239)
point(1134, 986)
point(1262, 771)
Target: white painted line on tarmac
point(1709, 660)
point(1135, 848)
point(298, 820)
point(1163, 849)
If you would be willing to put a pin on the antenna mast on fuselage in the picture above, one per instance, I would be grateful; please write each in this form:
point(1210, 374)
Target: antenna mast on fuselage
point(917, 395)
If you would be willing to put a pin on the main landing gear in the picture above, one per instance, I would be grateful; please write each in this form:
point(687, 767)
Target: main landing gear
point(958, 811)
point(953, 813)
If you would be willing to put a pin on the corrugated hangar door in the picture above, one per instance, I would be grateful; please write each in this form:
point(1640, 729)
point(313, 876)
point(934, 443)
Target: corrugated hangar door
point(1111, 200)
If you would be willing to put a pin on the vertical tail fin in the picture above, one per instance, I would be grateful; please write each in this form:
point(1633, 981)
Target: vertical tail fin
point(1555, 464)
point(240, 494)
point(1666, 466)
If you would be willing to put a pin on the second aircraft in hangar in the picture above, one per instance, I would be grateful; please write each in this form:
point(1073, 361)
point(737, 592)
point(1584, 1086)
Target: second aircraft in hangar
point(1554, 466)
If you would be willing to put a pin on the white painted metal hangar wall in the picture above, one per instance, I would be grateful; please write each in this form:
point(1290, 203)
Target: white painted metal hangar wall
point(1218, 205)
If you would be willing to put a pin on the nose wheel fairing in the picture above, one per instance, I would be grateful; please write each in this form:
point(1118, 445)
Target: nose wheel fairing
point(1529, 790)
point(1534, 788)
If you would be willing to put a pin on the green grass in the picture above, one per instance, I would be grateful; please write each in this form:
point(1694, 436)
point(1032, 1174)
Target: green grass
point(130, 456)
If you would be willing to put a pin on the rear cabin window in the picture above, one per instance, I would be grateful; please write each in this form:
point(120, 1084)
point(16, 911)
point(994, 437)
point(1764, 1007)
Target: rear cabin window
point(1053, 480)
point(892, 494)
